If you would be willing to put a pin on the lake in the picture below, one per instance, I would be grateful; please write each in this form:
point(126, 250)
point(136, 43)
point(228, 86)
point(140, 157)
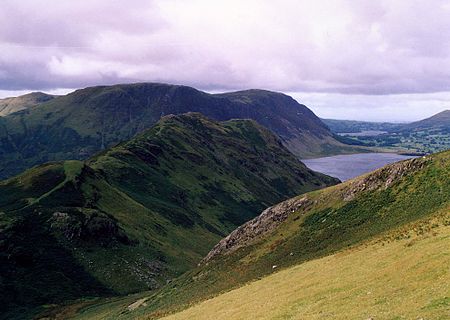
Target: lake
point(345, 167)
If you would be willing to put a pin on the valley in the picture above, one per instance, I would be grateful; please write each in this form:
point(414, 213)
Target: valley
point(422, 137)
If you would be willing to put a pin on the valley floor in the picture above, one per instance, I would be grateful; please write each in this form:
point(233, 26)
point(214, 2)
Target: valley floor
point(400, 279)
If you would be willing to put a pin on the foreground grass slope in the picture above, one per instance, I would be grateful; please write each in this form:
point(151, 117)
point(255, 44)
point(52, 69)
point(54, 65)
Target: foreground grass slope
point(407, 278)
point(139, 214)
point(308, 227)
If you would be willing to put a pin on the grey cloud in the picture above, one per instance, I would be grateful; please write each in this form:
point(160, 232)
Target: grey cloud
point(352, 47)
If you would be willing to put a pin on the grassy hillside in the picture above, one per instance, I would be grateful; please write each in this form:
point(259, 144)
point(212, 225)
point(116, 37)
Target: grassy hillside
point(409, 196)
point(139, 214)
point(89, 120)
point(14, 104)
point(400, 279)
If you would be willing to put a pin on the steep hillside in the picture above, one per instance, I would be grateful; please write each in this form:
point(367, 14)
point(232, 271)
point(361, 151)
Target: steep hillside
point(14, 104)
point(86, 121)
point(405, 198)
point(401, 279)
point(141, 213)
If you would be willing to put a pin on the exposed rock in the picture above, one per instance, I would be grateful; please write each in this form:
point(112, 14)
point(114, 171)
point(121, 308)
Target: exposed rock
point(383, 177)
point(95, 227)
point(267, 221)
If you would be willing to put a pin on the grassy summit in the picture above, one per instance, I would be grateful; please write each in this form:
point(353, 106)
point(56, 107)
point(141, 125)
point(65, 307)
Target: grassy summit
point(14, 104)
point(140, 213)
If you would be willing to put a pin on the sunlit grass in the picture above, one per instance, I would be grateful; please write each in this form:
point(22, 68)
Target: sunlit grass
point(404, 279)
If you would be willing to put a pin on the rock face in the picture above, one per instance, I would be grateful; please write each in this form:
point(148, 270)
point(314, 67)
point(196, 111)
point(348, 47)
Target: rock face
point(267, 221)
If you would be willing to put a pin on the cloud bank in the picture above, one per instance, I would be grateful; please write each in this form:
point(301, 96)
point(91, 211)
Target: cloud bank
point(337, 46)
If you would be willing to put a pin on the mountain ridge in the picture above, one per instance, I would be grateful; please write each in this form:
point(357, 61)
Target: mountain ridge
point(86, 121)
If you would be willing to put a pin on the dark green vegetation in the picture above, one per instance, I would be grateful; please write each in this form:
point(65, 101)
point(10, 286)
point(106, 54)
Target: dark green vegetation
point(424, 137)
point(412, 195)
point(10, 105)
point(77, 125)
point(139, 214)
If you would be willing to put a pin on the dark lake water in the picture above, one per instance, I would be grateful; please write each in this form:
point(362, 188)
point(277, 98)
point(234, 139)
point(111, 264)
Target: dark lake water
point(349, 166)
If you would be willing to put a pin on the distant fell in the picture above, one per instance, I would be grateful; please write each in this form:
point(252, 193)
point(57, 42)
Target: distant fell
point(439, 120)
point(77, 125)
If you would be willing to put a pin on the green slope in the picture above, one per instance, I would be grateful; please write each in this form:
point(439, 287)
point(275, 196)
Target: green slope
point(400, 279)
point(409, 193)
point(86, 121)
point(141, 213)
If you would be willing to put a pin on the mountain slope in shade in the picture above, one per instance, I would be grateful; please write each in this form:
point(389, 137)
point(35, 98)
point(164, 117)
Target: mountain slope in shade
point(398, 201)
point(86, 121)
point(14, 104)
point(141, 213)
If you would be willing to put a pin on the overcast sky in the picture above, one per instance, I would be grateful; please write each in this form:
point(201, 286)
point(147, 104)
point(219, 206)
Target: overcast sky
point(366, 60)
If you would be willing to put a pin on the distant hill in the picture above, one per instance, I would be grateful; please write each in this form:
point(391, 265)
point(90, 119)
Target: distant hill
point(89, 120)
point(140, 213)
point(371, 210)
point(440, 121)
point(353, 126)
point(14, 104)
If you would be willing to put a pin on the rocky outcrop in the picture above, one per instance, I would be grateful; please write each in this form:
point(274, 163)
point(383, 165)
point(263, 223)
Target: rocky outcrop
point(383, 177)
point(267, 221)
